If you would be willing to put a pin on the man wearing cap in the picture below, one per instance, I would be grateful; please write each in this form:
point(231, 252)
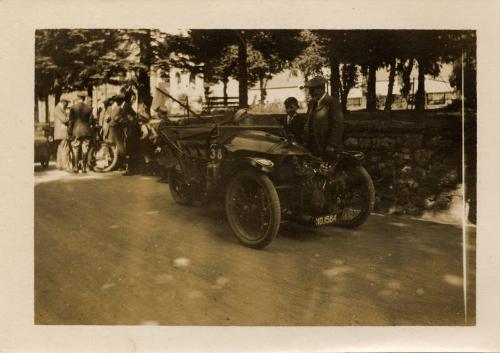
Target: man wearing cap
point(61, 120)
point(80, 117)
point(323, 130)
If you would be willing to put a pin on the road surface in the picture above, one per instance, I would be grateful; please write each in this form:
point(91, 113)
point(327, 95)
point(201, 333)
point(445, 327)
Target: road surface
point(117, 250)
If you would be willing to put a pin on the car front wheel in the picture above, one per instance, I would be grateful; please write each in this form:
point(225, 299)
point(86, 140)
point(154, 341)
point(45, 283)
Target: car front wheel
point(253, 208)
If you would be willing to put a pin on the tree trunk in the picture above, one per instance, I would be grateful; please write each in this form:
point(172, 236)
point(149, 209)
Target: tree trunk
point(242, 70)
point(46, 103)
point(390, 98)
point(335, 77)
point(263, 92)
point(224, 90)
point(344, 100)
point(406, 78)
point(90, 91)
point(420, 95)
point(37, 118)
point(57, 94)
point(371, 94)
point(144, 89)
point(143, 79)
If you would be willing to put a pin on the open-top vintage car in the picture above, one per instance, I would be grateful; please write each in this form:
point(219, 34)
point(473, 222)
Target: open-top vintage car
point(263, 177)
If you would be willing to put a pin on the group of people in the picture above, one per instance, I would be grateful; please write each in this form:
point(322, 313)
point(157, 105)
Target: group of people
point(321, 130)
point(73, 132)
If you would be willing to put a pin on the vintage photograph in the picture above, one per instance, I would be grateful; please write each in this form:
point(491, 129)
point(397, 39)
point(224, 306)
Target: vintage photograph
point(255, 177)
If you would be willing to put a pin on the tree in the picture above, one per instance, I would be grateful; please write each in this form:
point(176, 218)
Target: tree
point(140, 52)
point(428, 49)
point(349, 80)
point(225, 68)
point(242, 68)
point(463, 44)
point(261, 54)
point(69, 59)
point(249, 56)
point(270, 52)
point(311, 60)
point(204, 52)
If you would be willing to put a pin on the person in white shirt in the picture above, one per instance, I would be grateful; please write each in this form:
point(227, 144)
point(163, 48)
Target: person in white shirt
point(61, 120)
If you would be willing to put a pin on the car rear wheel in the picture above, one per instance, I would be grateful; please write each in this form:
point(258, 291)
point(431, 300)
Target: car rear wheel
point(181, 192)
point(253, 208)
point(358, 199)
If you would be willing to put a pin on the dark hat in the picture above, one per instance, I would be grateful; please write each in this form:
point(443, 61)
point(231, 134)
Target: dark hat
point(317, 81)
point(291, 100)
point(119, 98)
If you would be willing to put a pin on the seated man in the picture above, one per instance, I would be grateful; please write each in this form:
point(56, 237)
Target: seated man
point(293, 123)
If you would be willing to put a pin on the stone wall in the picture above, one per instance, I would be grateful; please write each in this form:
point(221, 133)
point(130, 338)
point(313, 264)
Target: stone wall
point(415, 165)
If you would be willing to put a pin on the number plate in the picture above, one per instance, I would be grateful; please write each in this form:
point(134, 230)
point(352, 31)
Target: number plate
point(325, 220)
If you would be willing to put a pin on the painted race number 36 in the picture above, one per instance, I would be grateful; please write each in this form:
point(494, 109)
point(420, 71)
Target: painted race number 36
point(215, 152)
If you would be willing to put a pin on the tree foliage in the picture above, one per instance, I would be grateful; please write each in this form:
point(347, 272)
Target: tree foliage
point(71, 59)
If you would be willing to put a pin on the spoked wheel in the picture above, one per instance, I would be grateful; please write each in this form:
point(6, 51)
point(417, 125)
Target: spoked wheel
point(181, 192)
point(104, 157)
point(358, 198)
point(253, 208)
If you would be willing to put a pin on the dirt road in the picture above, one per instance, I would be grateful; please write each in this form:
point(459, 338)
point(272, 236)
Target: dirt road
point(118, 250)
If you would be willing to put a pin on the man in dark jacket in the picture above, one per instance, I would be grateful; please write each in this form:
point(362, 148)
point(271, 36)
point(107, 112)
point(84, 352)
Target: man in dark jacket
point(324, 128)
point(132, 134)
point(80, 118)
point(293, 123)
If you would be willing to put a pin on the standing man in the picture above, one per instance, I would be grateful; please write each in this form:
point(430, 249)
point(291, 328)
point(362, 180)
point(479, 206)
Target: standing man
point(116, 125)
point(132, 135)
point(324, 128)
point(293, 123)
point(61, 120)
point(80, 117)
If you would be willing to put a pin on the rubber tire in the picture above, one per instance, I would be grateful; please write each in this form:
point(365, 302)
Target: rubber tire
point(111, 166)
point(274, 206)
point(186, 200)
point(363, 216)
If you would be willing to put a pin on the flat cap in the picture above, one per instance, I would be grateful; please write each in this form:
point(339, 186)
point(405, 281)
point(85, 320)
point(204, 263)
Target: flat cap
point(317, 81)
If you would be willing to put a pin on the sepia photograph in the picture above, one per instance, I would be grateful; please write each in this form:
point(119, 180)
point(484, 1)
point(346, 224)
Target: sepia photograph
point(255, 177)
point(238, 176)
